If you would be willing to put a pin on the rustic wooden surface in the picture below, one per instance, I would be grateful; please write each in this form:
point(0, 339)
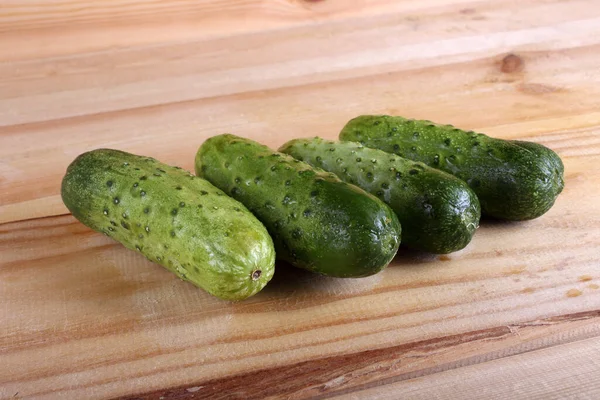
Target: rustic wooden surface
point(515, 315)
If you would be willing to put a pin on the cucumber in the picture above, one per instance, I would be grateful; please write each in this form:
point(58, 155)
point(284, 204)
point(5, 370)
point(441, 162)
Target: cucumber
point(514, 180)
point(438, 212)
point(317, 221)
point(173, 218)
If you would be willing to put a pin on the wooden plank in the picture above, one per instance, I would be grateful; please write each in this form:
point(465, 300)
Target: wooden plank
point(514, 313)
point(125, 324)
point(151, 76)
point(569, 371)
point(277, 115)
point(32, 29)
point(409, 368)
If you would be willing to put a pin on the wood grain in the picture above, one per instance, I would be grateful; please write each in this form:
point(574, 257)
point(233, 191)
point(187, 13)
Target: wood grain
point(367, 374)
point(193, 91)
point(515, 314)
point(54, 24)
point(527, 375)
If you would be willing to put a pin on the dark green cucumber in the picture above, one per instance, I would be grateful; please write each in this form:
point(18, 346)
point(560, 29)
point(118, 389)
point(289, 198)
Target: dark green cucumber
point(317, 221)
point(173, 218)
point(514, 180)
point(438, 212)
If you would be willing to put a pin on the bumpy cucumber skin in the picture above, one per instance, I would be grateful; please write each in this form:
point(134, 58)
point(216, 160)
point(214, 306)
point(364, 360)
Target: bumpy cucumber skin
point(438, 212)
point(317, 221)
point(514, 180)
point(175, 219)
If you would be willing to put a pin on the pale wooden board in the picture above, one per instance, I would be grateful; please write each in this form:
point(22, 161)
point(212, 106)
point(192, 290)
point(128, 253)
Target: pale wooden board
point(81, 317)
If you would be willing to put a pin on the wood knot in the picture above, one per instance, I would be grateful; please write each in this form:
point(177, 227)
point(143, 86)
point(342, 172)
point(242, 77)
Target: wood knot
point(512, 63)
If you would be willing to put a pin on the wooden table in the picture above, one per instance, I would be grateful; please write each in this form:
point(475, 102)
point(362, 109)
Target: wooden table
point(514, 315)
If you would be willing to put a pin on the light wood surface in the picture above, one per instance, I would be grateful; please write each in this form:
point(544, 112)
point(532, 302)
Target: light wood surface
point(514, 315)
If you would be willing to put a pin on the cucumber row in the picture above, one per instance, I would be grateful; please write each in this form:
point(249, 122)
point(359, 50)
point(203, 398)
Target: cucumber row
point(334, 208)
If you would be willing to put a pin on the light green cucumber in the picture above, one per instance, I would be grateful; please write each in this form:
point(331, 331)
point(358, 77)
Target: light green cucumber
point(438, 212)
point(175, 219)
point(513, 180)
point(317, 221)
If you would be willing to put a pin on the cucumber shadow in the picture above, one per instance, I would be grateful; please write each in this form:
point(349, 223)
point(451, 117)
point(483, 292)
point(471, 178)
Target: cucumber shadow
point(407, 258)
point(487, 221)
point(290, 280)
